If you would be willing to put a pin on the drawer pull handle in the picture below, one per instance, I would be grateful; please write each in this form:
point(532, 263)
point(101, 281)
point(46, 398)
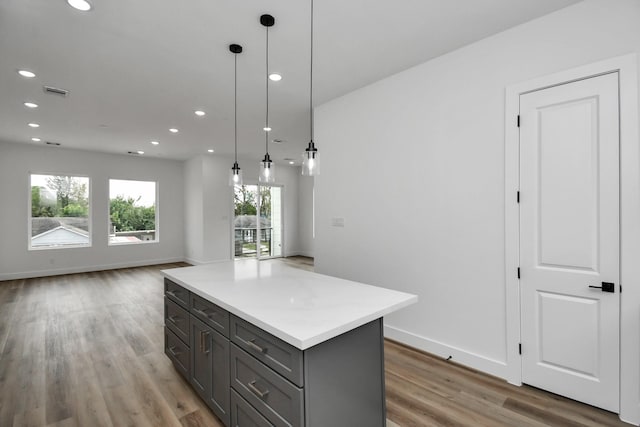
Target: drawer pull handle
point(256, 391)
point(203, 342)
point(252, 344)
point(175, 319)
point(173, 352)
point(201, 312)
point(173, 294)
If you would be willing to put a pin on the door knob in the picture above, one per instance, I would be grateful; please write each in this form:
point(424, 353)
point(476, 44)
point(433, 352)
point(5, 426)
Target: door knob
point(606, 287)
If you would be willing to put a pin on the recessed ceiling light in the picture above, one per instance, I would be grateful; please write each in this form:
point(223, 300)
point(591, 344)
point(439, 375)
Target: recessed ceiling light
point(200, 113)
point(210, 150)
point(155, 142)
point(30, 105)
point(34, 125)
point(140, 152)
point(26, 73)
point(173, 130)
point(275, 77)
point(80, 5)
point(266, 129)
point(292, 162)
point(36, 139)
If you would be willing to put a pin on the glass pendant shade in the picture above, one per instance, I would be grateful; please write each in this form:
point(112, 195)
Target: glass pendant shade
point(266, 170)
point(311, 161)
point(235, 175)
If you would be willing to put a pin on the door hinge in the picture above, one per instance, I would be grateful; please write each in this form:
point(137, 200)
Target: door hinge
point(620, 288)
point(518, 272)
point(518, 120)
point(519, 348)
point(518, 197)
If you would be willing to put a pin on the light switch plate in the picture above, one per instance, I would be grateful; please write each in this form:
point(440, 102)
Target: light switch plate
point(337, 222)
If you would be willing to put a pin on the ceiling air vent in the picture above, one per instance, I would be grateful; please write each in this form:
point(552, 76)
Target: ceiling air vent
point(56, 91)
point(55, 144)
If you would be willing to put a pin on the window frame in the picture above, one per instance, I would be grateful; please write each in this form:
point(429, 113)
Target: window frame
point(157, 212)
point(30, 247)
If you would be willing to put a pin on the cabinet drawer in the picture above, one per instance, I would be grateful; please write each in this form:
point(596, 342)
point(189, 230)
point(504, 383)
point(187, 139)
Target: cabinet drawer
point(177, 293)
point(274, 397)
point(178, 352)
point(211, 314)
point(176, 318)
point(273, 352)
point(245, 415)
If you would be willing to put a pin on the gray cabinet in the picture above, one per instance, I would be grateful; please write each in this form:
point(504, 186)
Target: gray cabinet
point(176, 319)
point(178, 352)
point(177, 293)
point(277, 399)
point(211, 314)
point(250, 378)
point(195, 342)
point(176, 327)
point(210, 367)
point(338, 383)
point(200, 358)
point(278, 355)
point(245, 415)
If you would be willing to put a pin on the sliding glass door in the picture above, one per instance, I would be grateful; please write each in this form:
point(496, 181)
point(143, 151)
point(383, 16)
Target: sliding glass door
point(257, 225)
point(271, 221)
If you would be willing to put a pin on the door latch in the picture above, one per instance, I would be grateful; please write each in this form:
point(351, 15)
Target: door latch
point(606, 287)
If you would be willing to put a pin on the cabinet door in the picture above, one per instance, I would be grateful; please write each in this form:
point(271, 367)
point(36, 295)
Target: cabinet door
point(219, 398)
point(201, 358)
point(245, 415)
point(178, 352)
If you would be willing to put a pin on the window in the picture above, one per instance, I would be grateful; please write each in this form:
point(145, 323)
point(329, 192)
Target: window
point(132, 212)
point(59, 212)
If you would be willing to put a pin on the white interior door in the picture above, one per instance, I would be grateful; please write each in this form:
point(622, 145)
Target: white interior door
point(569, 237)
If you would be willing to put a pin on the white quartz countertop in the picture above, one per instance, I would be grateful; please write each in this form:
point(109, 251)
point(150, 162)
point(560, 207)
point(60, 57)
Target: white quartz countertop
point(299, 307)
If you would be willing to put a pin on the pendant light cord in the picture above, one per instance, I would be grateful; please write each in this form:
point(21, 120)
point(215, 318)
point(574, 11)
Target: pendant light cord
point(266, 133)
point(235, 105)
point(311, 80)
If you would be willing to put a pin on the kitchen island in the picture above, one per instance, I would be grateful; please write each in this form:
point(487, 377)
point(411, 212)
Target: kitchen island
point(264, 343)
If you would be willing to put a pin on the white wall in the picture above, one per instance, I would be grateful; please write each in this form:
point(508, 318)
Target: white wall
point(210, 201)
point(305, 215)
point(17, 161)
point(415, 166)
point(193, 210)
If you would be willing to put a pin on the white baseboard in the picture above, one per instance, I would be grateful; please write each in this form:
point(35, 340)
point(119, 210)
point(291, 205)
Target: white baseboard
point(481, 363)
point(630, 417)
point(85, 269)
point(300, 253)
point(194, 261)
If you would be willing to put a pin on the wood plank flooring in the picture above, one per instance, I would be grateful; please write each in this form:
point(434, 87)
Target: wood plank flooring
point(87, 350)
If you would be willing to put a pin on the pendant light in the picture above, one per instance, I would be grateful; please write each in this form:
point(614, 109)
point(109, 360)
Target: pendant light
point(266, 165)
point(310, 157)
point(235, 174)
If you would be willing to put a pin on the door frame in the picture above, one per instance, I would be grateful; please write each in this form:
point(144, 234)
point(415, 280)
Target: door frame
point(281, 187)
point(258, 202)
point(627, 67)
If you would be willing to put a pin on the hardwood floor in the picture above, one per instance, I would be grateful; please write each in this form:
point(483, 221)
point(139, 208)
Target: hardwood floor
point(424, 390)
point(87, 350)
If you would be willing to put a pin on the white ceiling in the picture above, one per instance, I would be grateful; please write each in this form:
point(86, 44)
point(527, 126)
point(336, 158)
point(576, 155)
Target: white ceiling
point(135, 68)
